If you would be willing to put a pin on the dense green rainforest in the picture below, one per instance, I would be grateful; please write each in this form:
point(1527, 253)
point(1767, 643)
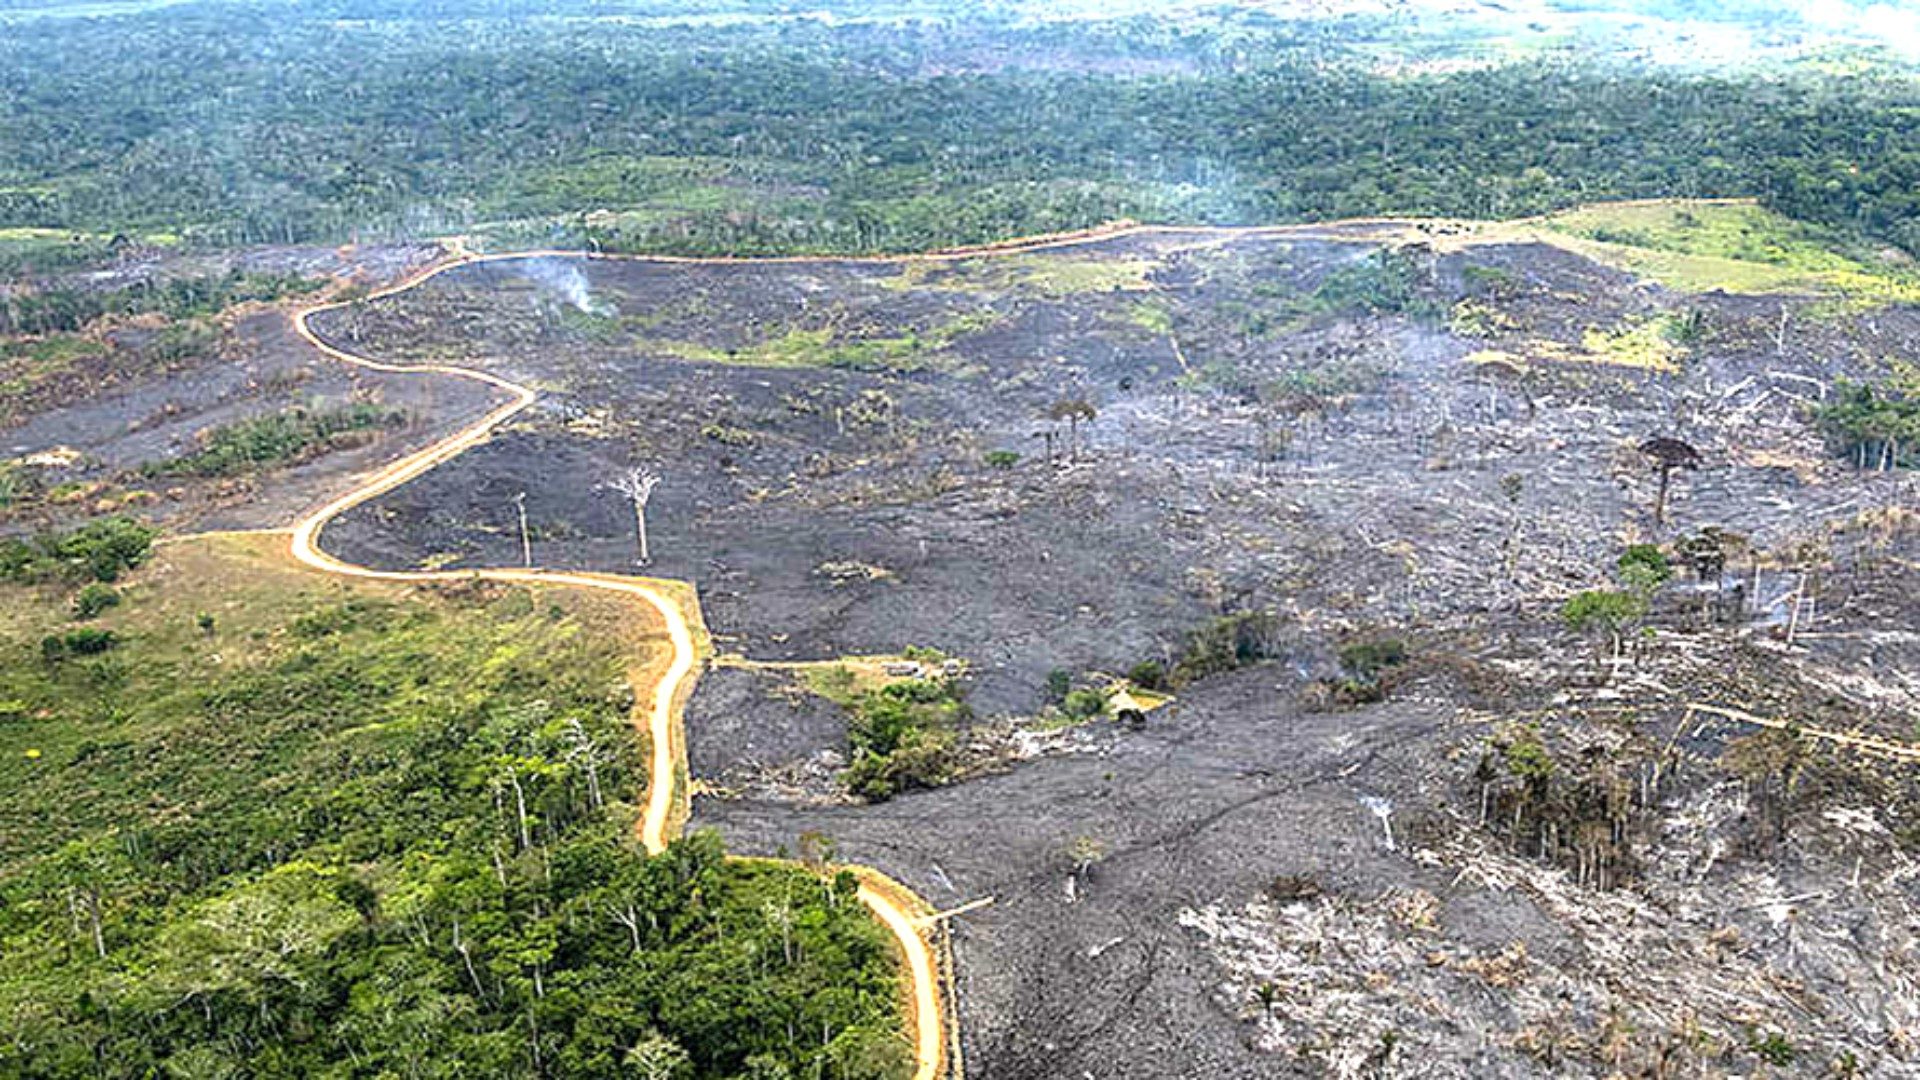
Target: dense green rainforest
point(273, 123)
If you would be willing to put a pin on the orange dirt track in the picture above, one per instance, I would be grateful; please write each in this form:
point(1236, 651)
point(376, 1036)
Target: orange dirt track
point(903, 913)
point(909, 918)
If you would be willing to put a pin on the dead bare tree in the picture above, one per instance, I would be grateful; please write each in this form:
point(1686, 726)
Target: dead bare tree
point(1048, 434)
point(1506, 372)
point(1668, 455)
point(526, 540)
point(637, 485)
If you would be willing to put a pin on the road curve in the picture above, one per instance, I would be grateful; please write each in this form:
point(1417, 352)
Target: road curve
point(904, 914)
point(898, 909)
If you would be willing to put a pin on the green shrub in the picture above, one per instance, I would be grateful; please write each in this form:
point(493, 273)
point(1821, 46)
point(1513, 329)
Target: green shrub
point(1603, 610)
point(1773, 1048)
point(1526, 755)
point(1002, 459)
point(1366, 660)
point(1227, 643)
point(1059, 684)
point(901, 737)
point(1348, 693)
point(730, 436)
point(1644, 567)
point(184, 340)
point(93, 599)
point(100, 550)
point(1084, 704)
point(1147, 675)
point(921, 758)
point(1368, 665)
point(293, 435)
point(1386, 282)
point(85, 641)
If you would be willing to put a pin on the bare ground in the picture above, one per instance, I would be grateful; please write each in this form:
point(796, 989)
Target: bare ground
point(1257, 883)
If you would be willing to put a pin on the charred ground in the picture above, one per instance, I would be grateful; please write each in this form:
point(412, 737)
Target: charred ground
point(1349, 434)
point(1514, 849)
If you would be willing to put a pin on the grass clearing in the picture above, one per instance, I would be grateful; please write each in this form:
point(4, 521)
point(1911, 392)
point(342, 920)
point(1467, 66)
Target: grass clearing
point(915, 350)
point(26, 364)
point(1736, 247)
point(27, 249)
point(1045, 275)
point(1647, 344)
point(1150, 318)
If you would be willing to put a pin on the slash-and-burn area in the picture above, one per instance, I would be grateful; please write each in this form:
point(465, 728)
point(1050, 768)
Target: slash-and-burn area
point(1454, 780)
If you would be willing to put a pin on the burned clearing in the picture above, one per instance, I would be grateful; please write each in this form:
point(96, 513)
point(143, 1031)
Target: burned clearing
point(1512, 845)
point(119, 417)
point(1466, 770)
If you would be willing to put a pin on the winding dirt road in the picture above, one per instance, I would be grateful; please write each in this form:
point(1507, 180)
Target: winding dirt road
point(904, 914)
point(907, 916)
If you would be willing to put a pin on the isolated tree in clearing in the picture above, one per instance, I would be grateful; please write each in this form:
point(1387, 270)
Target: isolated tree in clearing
point(1668, 455)
point(637, 485)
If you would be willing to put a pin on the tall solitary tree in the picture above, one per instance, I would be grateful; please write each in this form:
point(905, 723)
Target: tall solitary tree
point(637, 485)
point(1668, 455)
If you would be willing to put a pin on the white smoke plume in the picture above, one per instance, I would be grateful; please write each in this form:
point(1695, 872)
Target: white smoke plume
point(564, 279)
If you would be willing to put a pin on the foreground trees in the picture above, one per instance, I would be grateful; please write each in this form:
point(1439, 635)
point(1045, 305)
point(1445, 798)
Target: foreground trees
point(384, 837)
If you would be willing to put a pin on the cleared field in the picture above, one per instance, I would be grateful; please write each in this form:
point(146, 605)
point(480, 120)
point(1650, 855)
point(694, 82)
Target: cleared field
point(1737, 247)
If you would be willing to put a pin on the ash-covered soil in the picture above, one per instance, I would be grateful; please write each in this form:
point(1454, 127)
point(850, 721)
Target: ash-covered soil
point(138, 405)
point(1248, 449)
point(1530, 858)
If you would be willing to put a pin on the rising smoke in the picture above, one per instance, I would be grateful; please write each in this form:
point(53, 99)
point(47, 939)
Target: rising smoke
point(565, 280)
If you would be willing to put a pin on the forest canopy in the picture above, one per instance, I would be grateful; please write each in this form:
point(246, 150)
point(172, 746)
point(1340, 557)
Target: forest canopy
point(247, 124)
point(251, 825)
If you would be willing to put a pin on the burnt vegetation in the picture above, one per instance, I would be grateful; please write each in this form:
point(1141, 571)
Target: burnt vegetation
point(1389, 647)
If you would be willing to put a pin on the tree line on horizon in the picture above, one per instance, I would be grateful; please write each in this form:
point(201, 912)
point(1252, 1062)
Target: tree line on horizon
point(241, 124)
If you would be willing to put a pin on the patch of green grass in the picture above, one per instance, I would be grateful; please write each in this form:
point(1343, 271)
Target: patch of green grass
point(827, 347)
point(1150, 317)
point(1735, 247)
point(1639, 343)
point(27, 250)
point(1046, 275)
point(26, 364)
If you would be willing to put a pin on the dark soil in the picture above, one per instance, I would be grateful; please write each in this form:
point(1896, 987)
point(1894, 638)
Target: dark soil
point(146, 410)
point(1260, 444)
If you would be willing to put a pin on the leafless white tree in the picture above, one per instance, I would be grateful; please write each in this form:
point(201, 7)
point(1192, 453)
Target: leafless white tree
point(526, 540)
point(637, 485)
